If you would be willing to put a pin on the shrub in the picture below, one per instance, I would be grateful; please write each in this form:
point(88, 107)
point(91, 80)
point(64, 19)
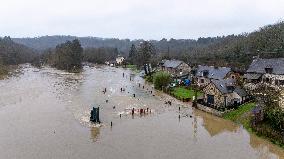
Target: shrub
point(149, 78)
point(3, 70)
point(161, 79)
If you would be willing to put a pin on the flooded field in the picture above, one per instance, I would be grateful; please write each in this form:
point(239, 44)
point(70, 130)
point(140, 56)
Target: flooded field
point(45, 114)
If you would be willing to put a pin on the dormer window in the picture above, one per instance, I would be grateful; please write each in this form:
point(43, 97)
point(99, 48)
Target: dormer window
point(268, 70)
point(205, 73)
point(230, 89)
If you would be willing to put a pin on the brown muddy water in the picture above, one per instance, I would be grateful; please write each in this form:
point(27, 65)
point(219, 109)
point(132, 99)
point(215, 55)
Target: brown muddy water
point(45, 114)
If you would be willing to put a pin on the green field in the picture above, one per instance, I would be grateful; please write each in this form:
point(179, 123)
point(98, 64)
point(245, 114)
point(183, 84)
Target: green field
point(181, 92)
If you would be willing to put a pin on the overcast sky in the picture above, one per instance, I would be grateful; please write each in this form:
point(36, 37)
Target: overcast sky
point(148, 19)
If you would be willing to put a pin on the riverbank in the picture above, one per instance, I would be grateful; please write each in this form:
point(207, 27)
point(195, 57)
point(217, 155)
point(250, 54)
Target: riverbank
point(243, 116)
point(3, 72)
point(6, 70)
point(133, 68)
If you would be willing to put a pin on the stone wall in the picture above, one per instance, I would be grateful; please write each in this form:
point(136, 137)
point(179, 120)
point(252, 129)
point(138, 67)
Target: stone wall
point(219, 98)
point(210, 110)
point(281, 99)
point(184, 68)
point(272, 79)
point(212, 90)
point(205, 83)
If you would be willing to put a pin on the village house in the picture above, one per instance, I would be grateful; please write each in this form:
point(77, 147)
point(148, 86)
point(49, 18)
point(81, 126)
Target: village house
point(175, 67)
point(119, 60)
point(268, 71)
point(223, 93)
point(111, 63)
point(204, 74)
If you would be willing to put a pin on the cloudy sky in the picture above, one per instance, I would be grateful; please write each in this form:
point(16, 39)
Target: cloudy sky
point(148, 19)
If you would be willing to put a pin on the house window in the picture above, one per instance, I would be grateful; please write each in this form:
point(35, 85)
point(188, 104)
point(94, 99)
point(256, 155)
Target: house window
point(201, 80)
point(267, 80)
point(210, 99)
point(269, 70)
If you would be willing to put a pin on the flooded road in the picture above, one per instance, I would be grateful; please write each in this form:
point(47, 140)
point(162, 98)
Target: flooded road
point(45, 114)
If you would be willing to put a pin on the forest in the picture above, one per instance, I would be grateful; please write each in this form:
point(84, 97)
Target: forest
point(12, 53)
point(235, 51)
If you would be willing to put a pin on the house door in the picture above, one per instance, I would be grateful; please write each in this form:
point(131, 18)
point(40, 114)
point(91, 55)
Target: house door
point(210, 99)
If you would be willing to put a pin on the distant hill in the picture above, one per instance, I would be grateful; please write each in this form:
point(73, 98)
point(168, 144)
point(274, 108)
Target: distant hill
point(46, 42)
point(238, 50)
point(12, 53)
point(231, 50)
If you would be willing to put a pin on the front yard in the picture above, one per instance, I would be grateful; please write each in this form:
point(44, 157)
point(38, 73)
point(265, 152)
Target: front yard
point(184, 93)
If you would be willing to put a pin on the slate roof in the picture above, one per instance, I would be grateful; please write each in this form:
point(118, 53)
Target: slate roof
point(241, 92)
point(172, 63)
point(213, 72)
point(259, 65)
point(252, 76)
point(221, 85)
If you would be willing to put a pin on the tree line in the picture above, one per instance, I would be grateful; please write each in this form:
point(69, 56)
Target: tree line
point(236, 51)
point(66, 56)
point(232, 50)
point(12, 53)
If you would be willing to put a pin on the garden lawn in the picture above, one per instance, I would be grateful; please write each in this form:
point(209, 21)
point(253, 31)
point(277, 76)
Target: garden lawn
point(181, 92)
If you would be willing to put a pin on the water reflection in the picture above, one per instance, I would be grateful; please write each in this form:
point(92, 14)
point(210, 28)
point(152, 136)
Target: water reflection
point(215, 125)
point(264, 148)
point(40, 101)
point(95, 132)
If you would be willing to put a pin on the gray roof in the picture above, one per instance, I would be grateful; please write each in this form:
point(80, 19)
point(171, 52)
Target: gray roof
point(241, 92)
point(213, 72)
point(221, 85)
point(172, 63)
point(259, 65)
point(252, 76)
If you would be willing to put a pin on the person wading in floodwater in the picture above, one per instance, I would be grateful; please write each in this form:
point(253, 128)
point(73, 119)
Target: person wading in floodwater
point(132, 112)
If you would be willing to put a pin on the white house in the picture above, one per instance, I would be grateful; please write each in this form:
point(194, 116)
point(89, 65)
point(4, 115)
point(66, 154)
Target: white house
point(119, 60)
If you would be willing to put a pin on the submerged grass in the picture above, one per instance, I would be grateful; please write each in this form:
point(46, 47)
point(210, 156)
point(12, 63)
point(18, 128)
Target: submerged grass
point(133, 68)
point(242, 115)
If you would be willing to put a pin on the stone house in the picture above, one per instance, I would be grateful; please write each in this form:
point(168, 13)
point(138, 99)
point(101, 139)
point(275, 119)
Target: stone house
point(268, 71)
point(175, 67)
point(204, 74)
point(223, 93)
point(281, 99)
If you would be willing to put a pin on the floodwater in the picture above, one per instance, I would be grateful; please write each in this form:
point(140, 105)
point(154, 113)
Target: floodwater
point(45, 114)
